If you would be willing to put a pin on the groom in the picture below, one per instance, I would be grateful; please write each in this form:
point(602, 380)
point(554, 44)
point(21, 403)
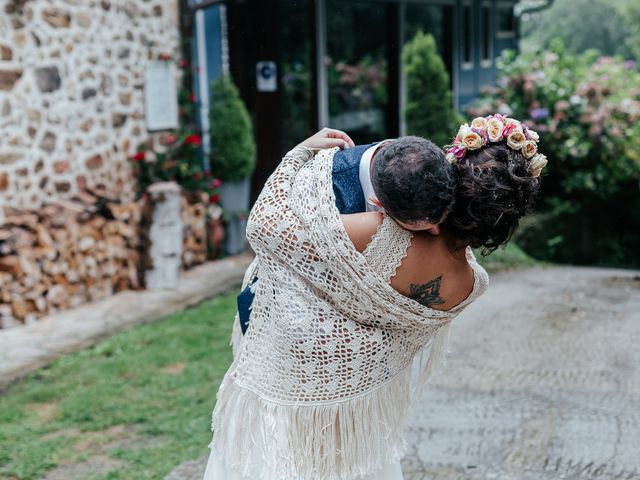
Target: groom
point(408, 178)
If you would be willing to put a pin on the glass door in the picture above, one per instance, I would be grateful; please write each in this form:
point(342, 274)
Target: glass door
point(357, 68)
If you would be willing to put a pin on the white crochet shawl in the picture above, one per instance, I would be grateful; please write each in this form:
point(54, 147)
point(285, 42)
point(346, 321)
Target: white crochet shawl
point(320, 386)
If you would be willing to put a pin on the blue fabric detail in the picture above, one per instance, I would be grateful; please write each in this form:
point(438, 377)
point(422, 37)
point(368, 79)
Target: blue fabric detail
point(346, 179)
point(349, 199)
point(245, 299)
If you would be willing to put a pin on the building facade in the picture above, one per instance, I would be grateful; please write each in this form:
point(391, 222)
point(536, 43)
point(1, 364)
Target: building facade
point(304, 64)
point(71, 94)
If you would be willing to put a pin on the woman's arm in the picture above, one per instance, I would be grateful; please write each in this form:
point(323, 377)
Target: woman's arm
point(271, 211)
point(276, 189)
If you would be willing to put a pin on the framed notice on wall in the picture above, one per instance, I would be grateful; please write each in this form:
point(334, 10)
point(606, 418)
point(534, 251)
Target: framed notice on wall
point(160, 96)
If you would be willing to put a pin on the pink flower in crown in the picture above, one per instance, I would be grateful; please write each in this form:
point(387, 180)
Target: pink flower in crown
point(498, 116)
point(509, 129)
point(459, 152)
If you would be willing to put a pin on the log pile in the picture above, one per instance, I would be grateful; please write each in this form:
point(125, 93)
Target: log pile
point(65, 254)
point(194, 221)
point(88, 248)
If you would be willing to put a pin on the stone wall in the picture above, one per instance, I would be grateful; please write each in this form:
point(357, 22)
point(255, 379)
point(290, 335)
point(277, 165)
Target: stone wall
point(71, 97)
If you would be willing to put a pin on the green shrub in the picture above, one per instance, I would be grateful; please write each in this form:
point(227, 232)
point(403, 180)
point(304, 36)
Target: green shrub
point(587, 111)
point(429, 112)
point(233, 149)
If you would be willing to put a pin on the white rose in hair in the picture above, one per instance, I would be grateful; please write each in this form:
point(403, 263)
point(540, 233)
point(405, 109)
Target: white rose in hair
point(479, 123)
point(516, 140)
point(494, 129)
point(512, 121)
point(533, 135)
point(472, 141)
point(529, 149)
point(537, 163)
point(463, 131)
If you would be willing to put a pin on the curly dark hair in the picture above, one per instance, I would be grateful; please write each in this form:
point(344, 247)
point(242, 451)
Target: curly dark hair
point(413, 181)
point(495, 189)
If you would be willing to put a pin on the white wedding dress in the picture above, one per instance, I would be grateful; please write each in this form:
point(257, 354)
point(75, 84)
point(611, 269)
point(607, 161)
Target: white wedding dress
point(218, 469)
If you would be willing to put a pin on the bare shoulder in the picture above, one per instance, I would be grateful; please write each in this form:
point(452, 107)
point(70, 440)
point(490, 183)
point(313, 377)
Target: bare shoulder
point(433, 275)
point(361, 227)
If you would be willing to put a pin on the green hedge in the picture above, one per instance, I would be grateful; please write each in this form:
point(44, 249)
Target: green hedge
point(429, 112)
point(233, 149)
point(587, 111)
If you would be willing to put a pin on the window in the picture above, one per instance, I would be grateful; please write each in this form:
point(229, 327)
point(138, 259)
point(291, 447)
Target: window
point(506, 21)
point(357, 68)
point(466, 35)
point(296, 72)
point(487, 36)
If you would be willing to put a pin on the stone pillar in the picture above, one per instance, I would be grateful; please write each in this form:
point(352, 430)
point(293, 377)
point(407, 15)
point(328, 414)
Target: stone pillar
point(165, 235)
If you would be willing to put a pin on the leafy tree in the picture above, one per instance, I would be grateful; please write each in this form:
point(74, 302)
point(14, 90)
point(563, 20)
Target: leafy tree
point(233, 148)
point(632, 16)
point(429, 112)
point(581, 24)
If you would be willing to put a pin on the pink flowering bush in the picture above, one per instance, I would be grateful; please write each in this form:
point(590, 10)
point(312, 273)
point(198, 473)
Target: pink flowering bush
point(586, 109)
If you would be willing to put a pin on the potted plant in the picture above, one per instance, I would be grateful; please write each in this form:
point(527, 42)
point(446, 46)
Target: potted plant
point(233, 154)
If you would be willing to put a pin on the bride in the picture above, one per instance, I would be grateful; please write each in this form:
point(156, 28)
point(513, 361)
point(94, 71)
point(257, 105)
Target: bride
point(321, 387)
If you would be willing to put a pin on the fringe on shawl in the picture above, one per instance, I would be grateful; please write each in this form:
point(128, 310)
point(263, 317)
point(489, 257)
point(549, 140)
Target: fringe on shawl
point(343, 440)
point(436, 357)
point(236, 336)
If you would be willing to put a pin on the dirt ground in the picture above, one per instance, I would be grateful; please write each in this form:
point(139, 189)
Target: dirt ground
point(542, 382)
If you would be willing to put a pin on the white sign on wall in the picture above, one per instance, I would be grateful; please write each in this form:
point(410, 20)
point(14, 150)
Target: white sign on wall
point(160, 96)
point(266, 76)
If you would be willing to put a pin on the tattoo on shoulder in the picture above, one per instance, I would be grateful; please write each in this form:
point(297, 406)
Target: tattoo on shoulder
point(427, 294)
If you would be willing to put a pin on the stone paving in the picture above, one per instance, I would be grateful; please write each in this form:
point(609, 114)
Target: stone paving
point(25, 348)
point(542, 382)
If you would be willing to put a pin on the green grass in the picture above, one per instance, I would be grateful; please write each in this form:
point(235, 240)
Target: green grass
point(143, 397)
point(510, 256)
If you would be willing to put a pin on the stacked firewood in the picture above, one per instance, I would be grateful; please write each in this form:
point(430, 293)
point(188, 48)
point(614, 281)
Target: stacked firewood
point(194, 222)
point(67, 253)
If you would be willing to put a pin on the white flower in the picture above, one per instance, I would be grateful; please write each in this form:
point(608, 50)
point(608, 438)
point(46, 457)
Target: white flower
point(537, 163)
point(479, 123)
point(533, 135)
point(494, 129)
point(462, 132)
point(472, 141)
point(513, 121)
point(516, 140)
point(529, 149)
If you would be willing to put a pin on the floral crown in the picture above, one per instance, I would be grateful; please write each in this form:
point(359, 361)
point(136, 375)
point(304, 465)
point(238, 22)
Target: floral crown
point(494, 129)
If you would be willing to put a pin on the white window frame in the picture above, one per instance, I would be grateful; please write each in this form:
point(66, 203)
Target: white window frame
point(472, 30)
point(487, 62)
point(505, 33)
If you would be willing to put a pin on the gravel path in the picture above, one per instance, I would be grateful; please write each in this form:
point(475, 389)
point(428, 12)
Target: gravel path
point(542, 382)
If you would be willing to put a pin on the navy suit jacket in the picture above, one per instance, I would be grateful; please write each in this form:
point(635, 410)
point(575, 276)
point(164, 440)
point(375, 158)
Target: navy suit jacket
point(349, 199)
